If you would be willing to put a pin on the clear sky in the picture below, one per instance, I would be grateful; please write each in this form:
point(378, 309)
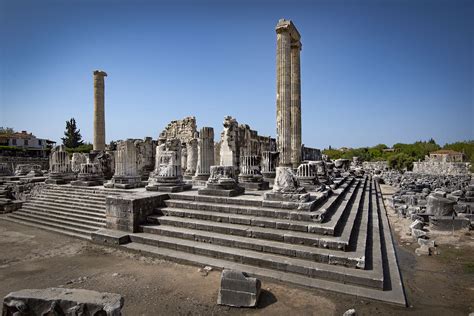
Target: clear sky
point(372, 71)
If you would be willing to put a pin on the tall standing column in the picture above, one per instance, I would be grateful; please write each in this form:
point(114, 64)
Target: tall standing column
point(284, 92)
point(99, 112)
point(295, 104)
point(205, 153)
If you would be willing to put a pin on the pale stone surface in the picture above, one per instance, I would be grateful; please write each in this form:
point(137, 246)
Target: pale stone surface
point(99, 111)
point(167, 175)
point(192, 157)
point(288, 94)
point(184, 130)
point(441, 168)
point(238, 140)
point(28, 169)
point(60, 301)
point(238, 290)
point(439, 206)
point(76, 161)
point(205, 153)
point(60, 167)
point(126, 166)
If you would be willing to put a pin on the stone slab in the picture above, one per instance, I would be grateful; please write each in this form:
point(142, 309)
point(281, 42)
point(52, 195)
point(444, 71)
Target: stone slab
point(216, 192)
point(255, 186)
point(61, 301)
point(110, 237)
point(85, 183)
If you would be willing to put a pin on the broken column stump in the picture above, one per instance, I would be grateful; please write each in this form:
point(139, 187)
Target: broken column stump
point(238, 290)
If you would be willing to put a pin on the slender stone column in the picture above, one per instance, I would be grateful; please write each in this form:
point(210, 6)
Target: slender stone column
point(284, 92)
point(205, 153)
point(295, 104)
point(99, 115)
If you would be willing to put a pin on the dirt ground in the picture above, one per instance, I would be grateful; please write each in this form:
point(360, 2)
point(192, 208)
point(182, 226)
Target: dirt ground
point(33, 258)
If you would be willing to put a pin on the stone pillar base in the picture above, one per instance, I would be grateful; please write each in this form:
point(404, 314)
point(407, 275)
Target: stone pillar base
point(169, 188)
point(125, 182)
point(201, 177)
point(255, 186)
point(87, 183)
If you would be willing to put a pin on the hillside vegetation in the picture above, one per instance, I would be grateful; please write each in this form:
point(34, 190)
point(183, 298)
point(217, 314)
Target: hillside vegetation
point(403, 155)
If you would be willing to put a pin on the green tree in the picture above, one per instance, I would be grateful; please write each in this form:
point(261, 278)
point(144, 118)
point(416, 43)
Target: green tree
point(6, 130)
point(72, 135)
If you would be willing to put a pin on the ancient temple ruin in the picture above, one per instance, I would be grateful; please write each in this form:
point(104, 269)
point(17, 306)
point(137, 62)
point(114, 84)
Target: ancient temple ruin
point(272, 207)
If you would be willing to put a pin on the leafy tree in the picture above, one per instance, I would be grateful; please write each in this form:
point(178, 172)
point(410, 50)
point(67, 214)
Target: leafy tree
point(72, 135)
point(6, 130)
point(85, 148)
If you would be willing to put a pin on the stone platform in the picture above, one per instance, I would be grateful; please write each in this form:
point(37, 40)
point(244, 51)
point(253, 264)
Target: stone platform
point(342, 243)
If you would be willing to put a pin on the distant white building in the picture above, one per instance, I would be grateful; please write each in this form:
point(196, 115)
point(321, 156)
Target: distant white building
point(27, 141)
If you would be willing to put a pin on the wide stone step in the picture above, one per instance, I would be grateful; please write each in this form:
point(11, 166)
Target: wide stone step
point(253, 210)
point(249, 200)
point(60, 221)
point(265, 260)
point(91, 207)
point(295, 237)
point(302, 226)
point(45, 224)
point(89, 190)
point(66, 207)
point(353, 259)
point(77, 197)
point(87, 217)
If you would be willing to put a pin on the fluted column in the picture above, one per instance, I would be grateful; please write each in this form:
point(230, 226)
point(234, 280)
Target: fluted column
point(205, 153)
point(99, 112)
point(295, 104)
point(284, 93)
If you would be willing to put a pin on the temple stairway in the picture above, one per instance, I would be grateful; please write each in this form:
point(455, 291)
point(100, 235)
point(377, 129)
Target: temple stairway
point(350, 251)
point(75, 211)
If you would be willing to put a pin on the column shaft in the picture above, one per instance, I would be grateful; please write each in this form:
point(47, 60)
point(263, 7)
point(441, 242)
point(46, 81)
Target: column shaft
point(295, 105)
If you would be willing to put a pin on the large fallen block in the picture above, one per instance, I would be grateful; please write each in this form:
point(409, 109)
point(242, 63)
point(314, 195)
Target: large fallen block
point(238, 290)
point(59, 301)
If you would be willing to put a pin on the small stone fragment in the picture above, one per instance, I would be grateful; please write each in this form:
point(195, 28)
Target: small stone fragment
point(350, 312)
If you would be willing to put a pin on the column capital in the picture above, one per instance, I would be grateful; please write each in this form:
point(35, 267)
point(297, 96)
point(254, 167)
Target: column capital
point(100, 73)
point(288, 26)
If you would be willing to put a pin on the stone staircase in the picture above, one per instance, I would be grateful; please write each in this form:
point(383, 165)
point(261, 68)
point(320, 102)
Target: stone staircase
point(349, 249)
point(66, 209)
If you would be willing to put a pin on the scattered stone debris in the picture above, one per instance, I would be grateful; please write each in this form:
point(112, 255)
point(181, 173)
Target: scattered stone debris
point(60, 301)
point(238, 290)
point(205, 271)
point(350, 312)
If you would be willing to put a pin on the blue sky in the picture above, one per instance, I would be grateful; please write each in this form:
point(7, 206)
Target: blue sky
point(372, 71)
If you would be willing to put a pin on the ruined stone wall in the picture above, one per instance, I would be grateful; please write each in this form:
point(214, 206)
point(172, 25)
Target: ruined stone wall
point(238, 140)
point(184, 129)
point(14, 161)
point(375, 165)
point(441, 168)
point(310, 154)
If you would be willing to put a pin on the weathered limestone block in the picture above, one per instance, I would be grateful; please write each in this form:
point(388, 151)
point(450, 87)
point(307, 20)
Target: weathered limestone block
point(269, 164)
point(222, 182)
point(441, 168)
point(167, 175)
point(307, 176)
point(128, 211)
point(76, 161)
point(238, 290)
point(60, 301)
point(90, 174)
point(184, 130)
point(5, 169)
point(238, 140)
point(250, 176)
point(145, 157)
point(30, 170)
point(126, 166)
point(60, 171)
point(286, 187)
point(439, 206)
